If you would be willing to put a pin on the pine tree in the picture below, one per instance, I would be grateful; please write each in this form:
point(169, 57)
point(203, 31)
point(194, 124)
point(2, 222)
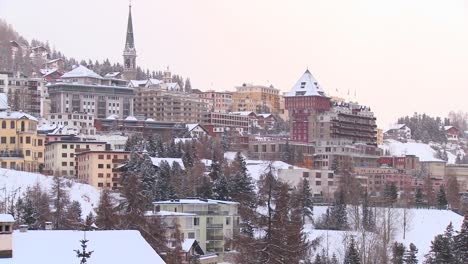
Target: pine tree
point(338, 213)
point(60, 201)
point(441, 198)
point(398, 251)
point(411, 255)
point(205, 189)
point(306, 200)
point(390, 193)
point(461, 242)
point(73, 219)
point(106, 218)
point(368, 219)
point(352, 255)
point(89, 221)
point(241, 185)
point(221, 189)
point(419, 198)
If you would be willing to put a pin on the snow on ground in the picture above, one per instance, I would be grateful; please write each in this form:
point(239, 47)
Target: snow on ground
point(421, 150)
point(17, 182)
point(424, 225)
point(258, 167)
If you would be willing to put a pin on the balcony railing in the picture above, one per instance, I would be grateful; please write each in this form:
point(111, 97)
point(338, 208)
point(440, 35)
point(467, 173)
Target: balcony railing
point(214, 225)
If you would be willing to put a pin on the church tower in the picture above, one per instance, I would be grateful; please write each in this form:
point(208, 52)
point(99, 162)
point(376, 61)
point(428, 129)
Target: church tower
point(129, 54)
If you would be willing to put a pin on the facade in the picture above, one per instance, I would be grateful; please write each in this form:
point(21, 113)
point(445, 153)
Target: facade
point(400, 132)
point(220, 102)
point(460, 172)
point(380, 136)
point(24, 94)
point(81, 122)
point(323, 183)
point(315, 117)
point(214, 224)
point(451, 133)
point(83, 91)
point(256, 98)
point(21, 148)
point(196, 130)
point(60, 155)
point(219, 123)
point(97, 167)
point(168, 106)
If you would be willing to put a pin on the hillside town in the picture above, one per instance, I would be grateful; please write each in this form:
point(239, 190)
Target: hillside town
point(145, 163)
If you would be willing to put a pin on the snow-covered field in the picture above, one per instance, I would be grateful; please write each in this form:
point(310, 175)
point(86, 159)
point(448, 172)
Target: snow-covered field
point(14, 183)
point(424, 225)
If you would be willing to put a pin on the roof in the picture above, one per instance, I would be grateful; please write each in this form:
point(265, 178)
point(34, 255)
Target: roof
point(168, 213)
point(395, 126)
point(191, 127)
point(16, 115)
point(3, 101)
point(243, 113)
point(172, 86)
point(112, 74)
point(81, 71)
point(307, 85)
point(188, 244)
point(6, 218)
point(449, 127)
point(157, 161)
point(137, 83)
point(29, 247)
point(131, 118)
point(194, 201)
point(112, 117)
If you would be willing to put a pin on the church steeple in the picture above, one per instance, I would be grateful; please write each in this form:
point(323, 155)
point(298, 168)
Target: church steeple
point(129, 54)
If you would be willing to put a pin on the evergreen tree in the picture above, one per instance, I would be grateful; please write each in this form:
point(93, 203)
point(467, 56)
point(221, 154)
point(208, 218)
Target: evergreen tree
point(73, 219)
point(60, 201)
point(164, 189)
point(443, 248)
point(411, 255)
point(205, 190)
point(368, 219)
point(419, 198)
point(338, 213)
point(390, 193)
point(441, 198)
point(398, 251)
point(461, 242)
point(352, 255)
point(221, 189)
point(287, 155)
point(306, 200)
point(89, 221)
point(188, 86)
point(106, 218)
point(241, 184)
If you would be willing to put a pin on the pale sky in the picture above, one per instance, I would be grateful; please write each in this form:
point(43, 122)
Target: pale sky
point(400, 56)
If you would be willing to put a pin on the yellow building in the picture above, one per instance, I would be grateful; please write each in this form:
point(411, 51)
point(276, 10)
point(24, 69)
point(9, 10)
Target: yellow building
point(256, 98)
point(211, 222)
point(380, 136)
point(97, 168)
point(21, 148)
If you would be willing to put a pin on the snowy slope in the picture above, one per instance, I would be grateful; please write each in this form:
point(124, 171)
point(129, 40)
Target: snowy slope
point(258, 167)
point(421, 150)
point(424, 225)
point(17, 181)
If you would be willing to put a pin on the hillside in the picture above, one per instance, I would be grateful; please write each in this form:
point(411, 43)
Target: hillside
point(14, 183)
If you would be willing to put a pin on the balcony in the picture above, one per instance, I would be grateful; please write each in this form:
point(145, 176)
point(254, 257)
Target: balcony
point(214, 226)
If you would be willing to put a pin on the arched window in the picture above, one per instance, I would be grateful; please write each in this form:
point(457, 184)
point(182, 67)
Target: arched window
point(12, 124)
point(3, 124)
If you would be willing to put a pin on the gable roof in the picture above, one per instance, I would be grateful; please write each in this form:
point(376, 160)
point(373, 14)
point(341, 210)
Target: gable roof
point(81, 71)
point(29, 247)
point(395, 126)
point(16, 115)
point(307, 85)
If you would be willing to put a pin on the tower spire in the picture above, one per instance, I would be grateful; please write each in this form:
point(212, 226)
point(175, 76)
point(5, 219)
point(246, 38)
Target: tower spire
point(129, 54)
point(130, 43)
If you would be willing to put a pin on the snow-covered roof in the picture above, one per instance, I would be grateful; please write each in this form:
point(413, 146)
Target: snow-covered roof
point(154, 82)
point(307, 85)
point(81, 71)
point(449, 127)
point(3, 101)
point(112, 74)
point(423, 151)
point(394, 126)
point(231, 155)
point(54, 60)
point(190, 127)
point(150, 120)
point(172, 86)
point(168, 213)
point(112, 117)
point(256, 168)
point(131, 118)
point(194, 201)
point(157, 161)
point(187, 244)
point(137, 83)
point(46, 72)
point(265, 115)
point(57, 247)
point(16, 115)
point(243, 113)
point(6, 218)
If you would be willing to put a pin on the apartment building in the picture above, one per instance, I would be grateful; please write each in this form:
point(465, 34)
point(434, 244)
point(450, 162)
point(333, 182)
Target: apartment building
point(220, 102)
point(60, 155)
point(211, 222)
point(80, 122)
point(24, 94)
point(84, 91)
point(256, 98)
point(97, 167)
point(218, 123)
point(21, 148)
point(169, 106)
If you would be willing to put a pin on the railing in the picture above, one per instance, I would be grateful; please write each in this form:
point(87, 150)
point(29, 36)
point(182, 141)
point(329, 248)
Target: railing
point(214, 226)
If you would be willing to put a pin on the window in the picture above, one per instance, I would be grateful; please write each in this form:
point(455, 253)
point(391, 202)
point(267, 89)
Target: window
point(108, 156)
point(12, 124)
point(64, 164)
point(196, 221)
point(39, 154)
point(100, 175)
point(71, 163)
point(39, 142)
point(330, 175)
point(305, 174)
point(28, 140)
point(4, 124)
point(191, 235)
point(72, 146)
point(64, 146)
point(228, 220)
point(28, 153)
point(21, 140)
point(318, 175)
point(100, 156)
point(108, 166)
point(64, 155)
point(100, 184)
point(3, 140)
point(100, 166)
point(318, 183)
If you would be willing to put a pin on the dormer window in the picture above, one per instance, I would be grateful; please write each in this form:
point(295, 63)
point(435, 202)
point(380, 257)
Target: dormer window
point(303, 84)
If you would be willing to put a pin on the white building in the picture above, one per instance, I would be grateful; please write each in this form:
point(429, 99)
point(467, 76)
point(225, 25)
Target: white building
point(400, 132)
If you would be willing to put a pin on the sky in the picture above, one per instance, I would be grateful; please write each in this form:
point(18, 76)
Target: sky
point(396, 56)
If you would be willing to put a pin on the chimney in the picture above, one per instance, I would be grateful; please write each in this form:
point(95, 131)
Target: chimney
point(48, 225)
point(6, 235)
point(23, 228)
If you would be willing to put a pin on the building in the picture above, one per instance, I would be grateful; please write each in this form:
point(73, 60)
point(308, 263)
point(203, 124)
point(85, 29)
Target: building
point(83, 123)
point(400, 132)
point(97, 167)
point(84, 91)
point(220, 102)
point(256, 98)
point(21, 147)
point(219, 123)
point(168, 106)
point(214, 222)
point(26, 246)
point(24, 94)
point(129, 54)
point(315, 117)
point(452, 133)
point(60, 155)
point(196, 130)
point(460, 172)
point(380, 136)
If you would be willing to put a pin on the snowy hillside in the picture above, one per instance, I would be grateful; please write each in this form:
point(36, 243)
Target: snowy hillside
point(423, 151)
point(16, 182)
point(424, 225)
